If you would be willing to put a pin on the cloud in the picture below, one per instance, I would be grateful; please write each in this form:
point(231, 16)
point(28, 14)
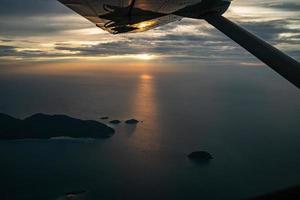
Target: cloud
point(104, 49)
point(21, 8)
point(290, 6)
point(45, 28)
point(7, 50)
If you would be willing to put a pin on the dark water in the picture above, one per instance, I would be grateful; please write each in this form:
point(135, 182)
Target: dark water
point(247, 118)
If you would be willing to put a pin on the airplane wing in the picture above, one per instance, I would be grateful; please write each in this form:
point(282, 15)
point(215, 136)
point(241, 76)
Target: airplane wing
point(123, 16)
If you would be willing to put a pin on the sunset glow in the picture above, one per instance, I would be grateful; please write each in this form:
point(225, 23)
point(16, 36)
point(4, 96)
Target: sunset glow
point(56, 34)
point(145, 56)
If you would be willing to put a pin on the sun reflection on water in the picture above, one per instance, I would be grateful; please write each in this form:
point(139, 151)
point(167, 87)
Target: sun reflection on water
point(145, 109)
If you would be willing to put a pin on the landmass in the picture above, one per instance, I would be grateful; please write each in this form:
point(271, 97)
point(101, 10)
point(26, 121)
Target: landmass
point(131, 121)
point(115, 122)
point(43, 126)
point(75, 193)
point(292, 193)
point(200, 156)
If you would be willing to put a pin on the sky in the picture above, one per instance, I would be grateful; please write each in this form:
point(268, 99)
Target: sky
point(46, 32)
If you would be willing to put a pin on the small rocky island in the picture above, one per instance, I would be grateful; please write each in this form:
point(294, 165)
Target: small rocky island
point(43, 126)
point(75, 194)
point(132, 121)
point(200, 156)
point(115, 122)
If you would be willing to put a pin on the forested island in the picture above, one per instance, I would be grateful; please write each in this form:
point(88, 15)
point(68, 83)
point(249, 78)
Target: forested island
point(44, 126)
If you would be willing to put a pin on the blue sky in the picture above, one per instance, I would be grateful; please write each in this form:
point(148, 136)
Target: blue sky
point(44, 31)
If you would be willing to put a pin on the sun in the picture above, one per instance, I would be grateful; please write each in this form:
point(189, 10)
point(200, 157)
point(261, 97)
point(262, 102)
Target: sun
point(144, 56)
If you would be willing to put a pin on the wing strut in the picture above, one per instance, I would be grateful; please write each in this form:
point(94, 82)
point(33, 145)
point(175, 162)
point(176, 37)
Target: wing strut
point(277, 60)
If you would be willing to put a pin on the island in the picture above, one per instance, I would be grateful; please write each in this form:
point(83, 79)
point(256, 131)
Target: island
point(44, 126)
point(131, 121)
point(200, 156)
point(115, 122)
point(74, 194)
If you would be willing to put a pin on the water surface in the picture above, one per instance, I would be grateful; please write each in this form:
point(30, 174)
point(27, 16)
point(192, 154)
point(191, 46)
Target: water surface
point(246, 117)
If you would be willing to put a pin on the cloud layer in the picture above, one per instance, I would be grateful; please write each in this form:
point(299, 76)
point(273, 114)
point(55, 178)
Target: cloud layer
point(44, 30)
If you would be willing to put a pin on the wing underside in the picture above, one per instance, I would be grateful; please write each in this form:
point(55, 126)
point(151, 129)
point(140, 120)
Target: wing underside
point(123, 16)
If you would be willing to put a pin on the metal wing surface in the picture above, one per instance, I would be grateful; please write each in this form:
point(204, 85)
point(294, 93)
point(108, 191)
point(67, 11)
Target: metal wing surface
point(123, 16)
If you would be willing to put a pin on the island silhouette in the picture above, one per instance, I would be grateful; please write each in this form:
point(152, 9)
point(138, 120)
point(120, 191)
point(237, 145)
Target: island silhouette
point(44, 126)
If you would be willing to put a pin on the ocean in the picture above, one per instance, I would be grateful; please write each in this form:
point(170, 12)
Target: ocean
point(247, 117)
